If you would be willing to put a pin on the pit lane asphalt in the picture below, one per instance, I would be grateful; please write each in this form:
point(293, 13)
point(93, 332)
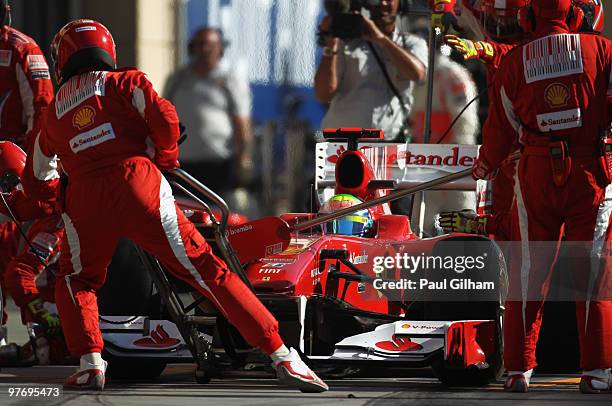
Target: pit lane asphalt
point(176, 386)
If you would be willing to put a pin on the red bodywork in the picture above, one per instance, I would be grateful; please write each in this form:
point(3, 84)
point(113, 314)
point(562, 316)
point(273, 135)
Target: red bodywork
point(299, 271)
point(338, 270)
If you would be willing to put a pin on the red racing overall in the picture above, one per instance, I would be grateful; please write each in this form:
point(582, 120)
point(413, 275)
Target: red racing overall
point(554, 89)
point(113, 133)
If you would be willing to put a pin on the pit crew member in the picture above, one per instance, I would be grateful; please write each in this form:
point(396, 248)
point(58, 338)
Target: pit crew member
point(25, 84)
point(500, 25)
point(559, 112)
point(28, 263)
point(113, 133)
point(501, 33)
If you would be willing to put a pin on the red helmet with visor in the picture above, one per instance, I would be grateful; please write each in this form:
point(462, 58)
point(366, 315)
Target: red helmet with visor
point(82, 44)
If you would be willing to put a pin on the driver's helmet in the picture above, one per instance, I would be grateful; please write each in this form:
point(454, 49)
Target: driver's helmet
point(359, 223)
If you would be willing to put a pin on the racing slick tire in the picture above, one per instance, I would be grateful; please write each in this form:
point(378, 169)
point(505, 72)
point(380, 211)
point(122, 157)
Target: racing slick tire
point(130, 369)
point(128, 288)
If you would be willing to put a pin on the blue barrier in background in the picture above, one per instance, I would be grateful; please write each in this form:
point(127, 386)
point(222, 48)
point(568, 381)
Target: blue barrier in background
point(273, 42)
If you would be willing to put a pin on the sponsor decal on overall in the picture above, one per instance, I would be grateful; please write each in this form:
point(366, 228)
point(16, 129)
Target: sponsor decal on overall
point(47, 240)
point(38, 67)
point(40, 74)
point(92, 138)
point(556, 95)
point(37, 62)
point(560, 120)
point(43, 245)
point(77, 90)
point(40, 252)
point(5, 58)
point(84, 117)
point(552, 57)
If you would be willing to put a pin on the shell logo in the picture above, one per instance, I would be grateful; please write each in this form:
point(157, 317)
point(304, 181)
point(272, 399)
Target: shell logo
point(84, 117)
point(406, 325)
point(556, 95)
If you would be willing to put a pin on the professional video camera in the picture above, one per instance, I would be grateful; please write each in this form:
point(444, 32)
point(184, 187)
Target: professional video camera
point(346, 22)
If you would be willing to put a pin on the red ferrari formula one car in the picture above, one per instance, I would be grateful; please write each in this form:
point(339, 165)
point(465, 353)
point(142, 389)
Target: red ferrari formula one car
point(352, 286)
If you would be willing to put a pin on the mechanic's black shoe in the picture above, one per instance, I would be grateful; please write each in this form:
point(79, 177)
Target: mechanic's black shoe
point(87, 379)
point(596, 384)
point(292, 371)
point(516, 383)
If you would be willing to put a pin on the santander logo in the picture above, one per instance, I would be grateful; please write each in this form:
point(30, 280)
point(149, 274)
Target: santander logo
point(427, 157)
point(453, 159)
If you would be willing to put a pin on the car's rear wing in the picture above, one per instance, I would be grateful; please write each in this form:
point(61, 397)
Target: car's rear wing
point(407, 165)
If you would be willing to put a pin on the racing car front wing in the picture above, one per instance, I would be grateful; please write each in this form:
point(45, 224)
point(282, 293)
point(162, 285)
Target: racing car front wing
point(461, 344)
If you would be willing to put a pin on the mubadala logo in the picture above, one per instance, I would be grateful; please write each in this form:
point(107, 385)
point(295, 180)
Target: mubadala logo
point(239, 229)
point(92, 137)
point(560, 120)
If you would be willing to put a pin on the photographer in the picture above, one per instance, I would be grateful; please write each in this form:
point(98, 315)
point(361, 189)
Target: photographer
point(368, 70)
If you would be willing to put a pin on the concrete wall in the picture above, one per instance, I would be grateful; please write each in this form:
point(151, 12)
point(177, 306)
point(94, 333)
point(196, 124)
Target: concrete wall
point(156, 39)
point(119, 17)
point(144, 31)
